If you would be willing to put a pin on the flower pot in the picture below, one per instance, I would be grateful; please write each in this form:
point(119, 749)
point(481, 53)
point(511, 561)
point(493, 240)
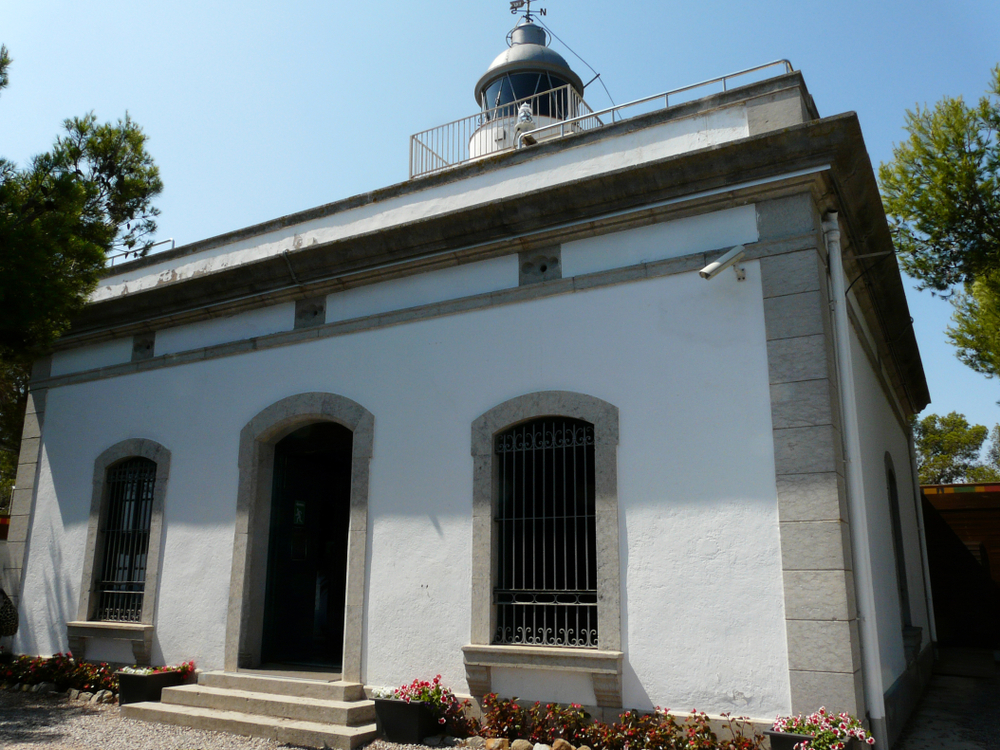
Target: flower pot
point(139, 688)
point(405, 723)
point(786, 741)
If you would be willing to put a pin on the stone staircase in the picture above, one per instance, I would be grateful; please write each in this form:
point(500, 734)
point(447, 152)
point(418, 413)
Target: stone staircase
point(313, 713)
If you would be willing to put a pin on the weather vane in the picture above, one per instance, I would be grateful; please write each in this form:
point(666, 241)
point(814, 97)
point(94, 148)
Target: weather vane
point(516, 5)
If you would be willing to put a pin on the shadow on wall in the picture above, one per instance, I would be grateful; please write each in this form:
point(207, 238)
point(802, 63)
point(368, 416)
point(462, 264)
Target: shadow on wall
point(966, 599)
point(59, 606)
point(60, 600)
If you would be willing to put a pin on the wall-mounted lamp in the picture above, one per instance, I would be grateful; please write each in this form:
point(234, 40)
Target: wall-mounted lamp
point(731, 258)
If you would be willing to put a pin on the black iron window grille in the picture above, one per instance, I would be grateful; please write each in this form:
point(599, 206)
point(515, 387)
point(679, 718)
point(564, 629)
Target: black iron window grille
point(128, 514)
point(545, 589)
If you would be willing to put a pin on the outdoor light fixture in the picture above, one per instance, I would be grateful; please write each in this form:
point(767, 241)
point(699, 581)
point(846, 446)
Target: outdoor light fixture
point(732, 257)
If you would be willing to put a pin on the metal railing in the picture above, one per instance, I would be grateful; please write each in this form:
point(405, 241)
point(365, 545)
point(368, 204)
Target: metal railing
point(545, 580)
point(121, 257)
point(615, 112)
point(126, 540)
point(448, 145)
point(494, 130)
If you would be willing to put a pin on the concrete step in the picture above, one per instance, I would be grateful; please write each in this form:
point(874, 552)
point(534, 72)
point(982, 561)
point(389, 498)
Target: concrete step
point(347, 713)
point(289, 731)
point(302, 688)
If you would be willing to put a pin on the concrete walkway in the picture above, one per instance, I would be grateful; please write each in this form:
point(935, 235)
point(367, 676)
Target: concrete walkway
point(961, 708)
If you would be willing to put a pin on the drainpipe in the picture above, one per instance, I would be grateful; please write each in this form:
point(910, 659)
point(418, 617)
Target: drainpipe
point(858, 514)
point(925, 566)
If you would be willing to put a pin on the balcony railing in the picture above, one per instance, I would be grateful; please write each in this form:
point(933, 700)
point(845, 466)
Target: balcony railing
point(127, 255)
point(452, 144)
point(491, 131)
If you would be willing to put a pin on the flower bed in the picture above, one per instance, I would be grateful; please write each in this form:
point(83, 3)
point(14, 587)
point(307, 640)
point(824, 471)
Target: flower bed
point(66, 673)
point(61, 670)
point(506, 719)
point(548, 724)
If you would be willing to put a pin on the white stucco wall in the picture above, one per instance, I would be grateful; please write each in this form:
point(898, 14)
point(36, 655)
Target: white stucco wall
point(246, 325)
point(881, 432)
point(683, 359)
point(670, 239)
point(107, 353)
point(466, 280)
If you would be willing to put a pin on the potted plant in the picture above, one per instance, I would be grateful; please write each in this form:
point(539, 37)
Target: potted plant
point(141, 684)
point(410, 713)
point(819, 731)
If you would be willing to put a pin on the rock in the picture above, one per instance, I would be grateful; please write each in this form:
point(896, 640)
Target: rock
point(583, 747)
point(73, 694)
point(45, 687)
point(521, 745)
point(85, 696)
point(542, 746)
point(479, 743)
point(562, 744)
point(497, 743)
point(101, 696)
point(432, 741)
point(27, 688)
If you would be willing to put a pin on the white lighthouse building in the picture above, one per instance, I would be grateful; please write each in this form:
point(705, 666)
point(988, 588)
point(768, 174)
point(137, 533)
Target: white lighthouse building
point(494, 423)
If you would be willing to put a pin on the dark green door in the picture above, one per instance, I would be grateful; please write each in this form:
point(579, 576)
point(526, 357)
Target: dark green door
point(307, 552)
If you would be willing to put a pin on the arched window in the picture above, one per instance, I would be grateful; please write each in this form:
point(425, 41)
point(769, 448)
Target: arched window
point(121, 565)
point(129, 510)
point(545, 582)
point(546, 585)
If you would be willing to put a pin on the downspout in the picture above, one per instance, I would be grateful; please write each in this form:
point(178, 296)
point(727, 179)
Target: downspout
point(925, 566)
point(858, 514)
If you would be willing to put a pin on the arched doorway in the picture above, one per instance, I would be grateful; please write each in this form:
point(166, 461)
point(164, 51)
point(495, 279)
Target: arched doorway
point(307, 547)
point(248, 589)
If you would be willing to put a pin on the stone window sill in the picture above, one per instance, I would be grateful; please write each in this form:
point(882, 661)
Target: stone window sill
point(604, 667)
point(138, 634)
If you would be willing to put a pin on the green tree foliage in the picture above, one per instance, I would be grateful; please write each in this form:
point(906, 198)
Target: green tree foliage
point(976, 333)
point(949, 448)
point(941, 191)
point(60, 216)
point(13, 395)
point(4, 64)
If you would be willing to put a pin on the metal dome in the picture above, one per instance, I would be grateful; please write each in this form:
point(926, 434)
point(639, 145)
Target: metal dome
point(528, 53)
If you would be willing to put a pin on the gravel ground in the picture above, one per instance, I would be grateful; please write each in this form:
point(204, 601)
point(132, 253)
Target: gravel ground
point(30, 721)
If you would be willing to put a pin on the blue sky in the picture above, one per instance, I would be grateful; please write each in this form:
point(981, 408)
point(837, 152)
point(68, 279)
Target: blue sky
point(256, 110)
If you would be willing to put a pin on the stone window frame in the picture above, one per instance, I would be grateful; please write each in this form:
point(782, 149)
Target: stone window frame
point(244, 623)
point(140, 634)
point(604, 665)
